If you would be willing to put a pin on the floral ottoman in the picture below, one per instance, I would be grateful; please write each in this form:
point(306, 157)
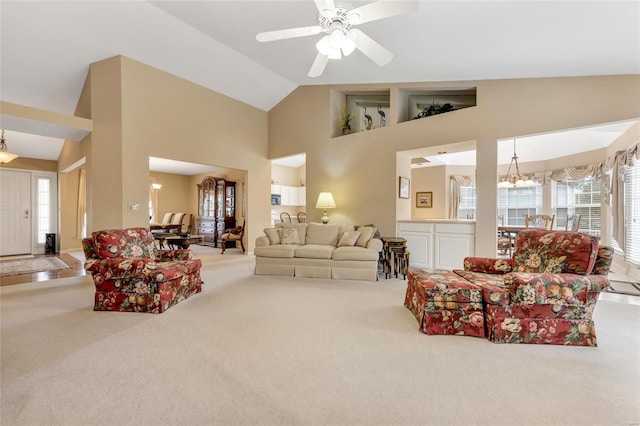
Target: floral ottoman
point(445, 303)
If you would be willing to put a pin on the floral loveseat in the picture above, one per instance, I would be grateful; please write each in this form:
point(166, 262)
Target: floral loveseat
point(131, 275)
point(319, 250)
point(546, 292)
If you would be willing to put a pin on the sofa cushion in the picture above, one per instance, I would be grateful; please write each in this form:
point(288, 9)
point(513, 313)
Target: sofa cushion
point(273, 235)
point(318, 233)
point(343, 229)
point(289, 236)
point(354, 253)
point(128, 243)
point(366, 233)
point(301, 227)
point(555, 252)
point(349, 238)
point(278, 250)
point(314, 251)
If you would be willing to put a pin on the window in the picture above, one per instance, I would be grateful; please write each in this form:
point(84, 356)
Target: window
point(578, 197)
point(44, 209)
point(514, 204)
point(632, 213)
point(467, 207)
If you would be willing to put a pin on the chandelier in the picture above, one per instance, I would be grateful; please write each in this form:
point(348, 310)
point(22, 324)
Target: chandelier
point(516, 180)
point(5, 156)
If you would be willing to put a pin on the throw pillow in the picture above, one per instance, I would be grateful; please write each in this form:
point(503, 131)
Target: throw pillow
point(376, 234)
point(366, 232)
point(289, 236)
point(273, 235)
point(349, 238)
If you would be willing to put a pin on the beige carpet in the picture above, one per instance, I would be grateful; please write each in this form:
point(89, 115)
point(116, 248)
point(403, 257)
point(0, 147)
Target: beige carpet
point(31, 265)
point(256, 350)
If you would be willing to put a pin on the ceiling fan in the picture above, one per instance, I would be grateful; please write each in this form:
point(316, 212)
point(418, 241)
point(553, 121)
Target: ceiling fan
point(341, 38)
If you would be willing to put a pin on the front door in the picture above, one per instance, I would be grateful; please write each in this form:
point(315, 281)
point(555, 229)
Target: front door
point(15, 212)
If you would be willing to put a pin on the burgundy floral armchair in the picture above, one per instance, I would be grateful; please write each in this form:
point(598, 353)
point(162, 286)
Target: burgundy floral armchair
point(546, 292)
point(131, 275)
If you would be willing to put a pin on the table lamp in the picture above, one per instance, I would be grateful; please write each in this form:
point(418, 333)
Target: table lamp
point(325, 201)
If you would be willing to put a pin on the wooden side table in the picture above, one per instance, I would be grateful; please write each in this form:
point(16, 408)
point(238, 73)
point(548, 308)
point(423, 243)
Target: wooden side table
point(391, 245)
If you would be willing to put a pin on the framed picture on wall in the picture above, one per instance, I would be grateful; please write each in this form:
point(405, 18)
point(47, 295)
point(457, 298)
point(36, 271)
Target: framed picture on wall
point(424, 199)
point(403, 187)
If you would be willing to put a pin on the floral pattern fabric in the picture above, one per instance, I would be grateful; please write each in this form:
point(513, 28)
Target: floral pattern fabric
point(488, 265)
point(444, 303)
point(555, 252)
point(152, 282)
point(550, 293)
point(128, 243)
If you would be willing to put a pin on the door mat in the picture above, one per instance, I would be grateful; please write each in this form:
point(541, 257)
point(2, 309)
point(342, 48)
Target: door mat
point(624, 287)
point(29, 266)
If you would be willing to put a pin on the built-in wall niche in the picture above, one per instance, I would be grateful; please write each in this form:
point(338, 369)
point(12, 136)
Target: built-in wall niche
point(432, 102)
point(362, 111)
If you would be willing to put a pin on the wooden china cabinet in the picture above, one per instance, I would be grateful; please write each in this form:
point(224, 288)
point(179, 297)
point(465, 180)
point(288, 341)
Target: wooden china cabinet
point(216, 209)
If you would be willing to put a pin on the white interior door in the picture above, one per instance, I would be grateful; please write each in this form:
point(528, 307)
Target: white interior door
point(15, 212)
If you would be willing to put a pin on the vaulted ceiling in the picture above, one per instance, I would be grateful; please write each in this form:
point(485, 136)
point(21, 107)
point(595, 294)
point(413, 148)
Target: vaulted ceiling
point(47, 46)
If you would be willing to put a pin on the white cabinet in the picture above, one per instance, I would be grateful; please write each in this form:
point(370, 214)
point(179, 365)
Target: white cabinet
point(419, 238)
point(290, 195)
point(438, 244)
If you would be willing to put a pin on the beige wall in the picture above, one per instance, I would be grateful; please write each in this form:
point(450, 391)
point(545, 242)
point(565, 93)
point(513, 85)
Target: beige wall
point(360, 169)
point(24, 163)
point(175, 194)
point(430, 179)
point(139, 111)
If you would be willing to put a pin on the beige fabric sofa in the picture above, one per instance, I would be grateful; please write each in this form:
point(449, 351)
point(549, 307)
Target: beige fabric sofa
point(316, 250)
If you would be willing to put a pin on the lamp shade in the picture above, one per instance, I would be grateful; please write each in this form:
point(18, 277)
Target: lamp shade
point(325, 201)
point(156, 186)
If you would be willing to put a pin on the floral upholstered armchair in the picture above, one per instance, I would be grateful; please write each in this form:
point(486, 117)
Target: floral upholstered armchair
point(546, 292)
point(131, 275)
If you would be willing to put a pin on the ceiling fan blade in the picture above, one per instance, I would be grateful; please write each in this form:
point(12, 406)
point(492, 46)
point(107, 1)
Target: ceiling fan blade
point(370, 47)
point(381, 9)
point(288, 33)
point(318, 65)
point(323, 5)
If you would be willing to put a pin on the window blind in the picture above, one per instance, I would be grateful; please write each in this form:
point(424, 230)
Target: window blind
point(577, 197)
point(517, 203)
point(467, 206)
point(632, 213)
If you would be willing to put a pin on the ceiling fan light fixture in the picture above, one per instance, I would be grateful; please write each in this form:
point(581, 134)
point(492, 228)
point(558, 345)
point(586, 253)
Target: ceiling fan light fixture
point(324, 45)
point(334, 53)
point(348, 46)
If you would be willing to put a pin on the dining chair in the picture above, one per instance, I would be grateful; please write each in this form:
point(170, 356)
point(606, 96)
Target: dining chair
point(233, 234)
point(573, 222)
point(302, 217)
point(543, 221)
point(505, 239)
point(285, 217)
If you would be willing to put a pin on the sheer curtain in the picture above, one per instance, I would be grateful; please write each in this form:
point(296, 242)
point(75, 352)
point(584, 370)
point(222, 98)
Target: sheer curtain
point(618, 164)
point(455, 183)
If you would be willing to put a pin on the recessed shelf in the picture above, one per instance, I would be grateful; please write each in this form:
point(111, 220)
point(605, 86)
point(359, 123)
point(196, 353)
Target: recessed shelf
point(427, 103)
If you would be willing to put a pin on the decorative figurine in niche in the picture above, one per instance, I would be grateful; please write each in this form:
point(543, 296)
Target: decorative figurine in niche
point(368, 121)
point(435, 109)
point(345, 121)
point(383, 118)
